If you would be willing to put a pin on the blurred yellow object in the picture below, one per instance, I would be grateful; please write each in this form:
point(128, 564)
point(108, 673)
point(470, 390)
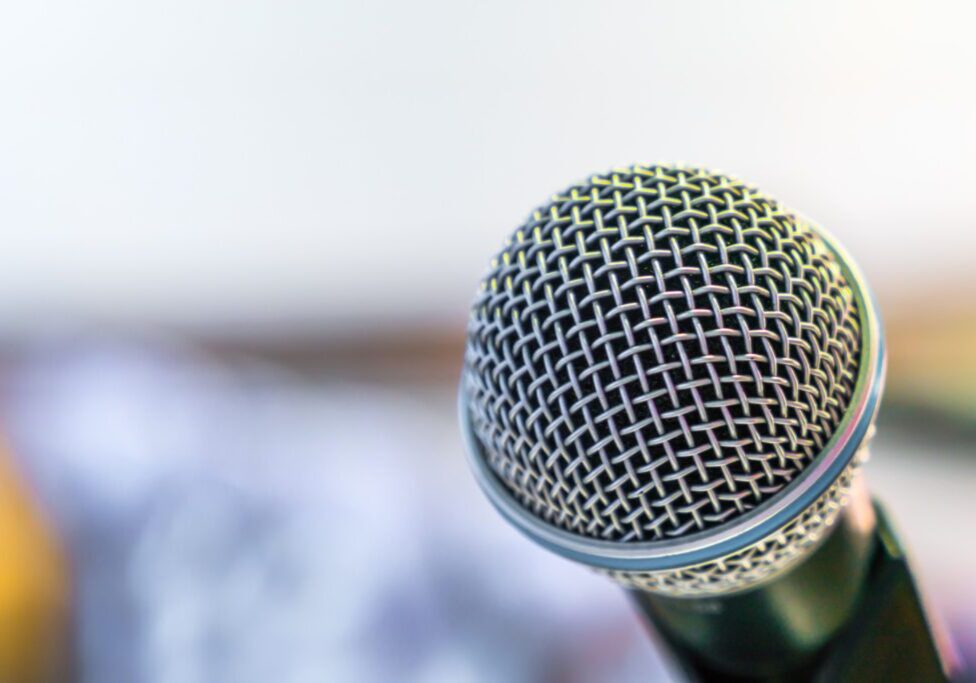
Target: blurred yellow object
point(34, 595)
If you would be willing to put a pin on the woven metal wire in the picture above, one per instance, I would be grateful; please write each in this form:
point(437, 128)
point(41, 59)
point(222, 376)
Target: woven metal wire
point(755, 563)
point(656, 351)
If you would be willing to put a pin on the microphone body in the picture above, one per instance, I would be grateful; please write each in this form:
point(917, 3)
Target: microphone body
point(672, 378)
point(781, 626)
point(850, 612)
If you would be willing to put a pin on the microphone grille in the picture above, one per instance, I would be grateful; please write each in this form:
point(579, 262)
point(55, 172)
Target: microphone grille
point(656, 351)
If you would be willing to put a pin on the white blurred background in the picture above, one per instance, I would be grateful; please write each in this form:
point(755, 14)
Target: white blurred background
point(239, 243)
point(271, 167)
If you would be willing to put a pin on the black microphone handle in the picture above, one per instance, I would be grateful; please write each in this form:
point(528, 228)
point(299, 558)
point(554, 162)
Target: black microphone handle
point(850, 611)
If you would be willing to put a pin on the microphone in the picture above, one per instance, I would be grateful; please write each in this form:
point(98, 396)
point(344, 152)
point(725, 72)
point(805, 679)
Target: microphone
point(672, 378)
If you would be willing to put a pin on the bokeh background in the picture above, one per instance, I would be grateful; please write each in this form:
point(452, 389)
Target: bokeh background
point(239, 240)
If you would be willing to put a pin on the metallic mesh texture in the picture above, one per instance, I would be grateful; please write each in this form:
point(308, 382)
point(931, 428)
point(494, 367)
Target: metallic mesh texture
point(656, 351)
point(747, 567)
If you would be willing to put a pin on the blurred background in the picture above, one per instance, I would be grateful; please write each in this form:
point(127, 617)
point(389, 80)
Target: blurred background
point(238, 245)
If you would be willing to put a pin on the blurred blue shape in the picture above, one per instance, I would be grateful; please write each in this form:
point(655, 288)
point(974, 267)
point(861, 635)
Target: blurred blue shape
point(242, 523)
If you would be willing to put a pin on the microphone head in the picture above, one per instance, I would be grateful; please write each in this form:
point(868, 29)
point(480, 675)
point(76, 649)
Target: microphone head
point(668, 376)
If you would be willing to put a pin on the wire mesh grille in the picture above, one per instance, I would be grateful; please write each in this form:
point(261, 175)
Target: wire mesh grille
point(757, 562)
point(656, 351)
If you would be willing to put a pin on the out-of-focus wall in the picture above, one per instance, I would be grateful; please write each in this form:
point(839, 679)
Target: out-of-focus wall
point(319, 166)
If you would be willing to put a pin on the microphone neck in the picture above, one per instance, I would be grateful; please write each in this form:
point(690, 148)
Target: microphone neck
point(849, 611)
point(781, 624)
